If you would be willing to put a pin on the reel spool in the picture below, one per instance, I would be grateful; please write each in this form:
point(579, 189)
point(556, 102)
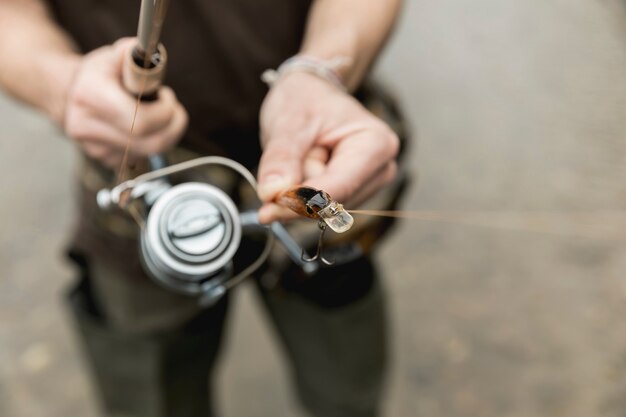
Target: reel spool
point(191, 234)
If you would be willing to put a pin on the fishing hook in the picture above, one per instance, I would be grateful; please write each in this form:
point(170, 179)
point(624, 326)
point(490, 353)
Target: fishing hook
point(318, 253)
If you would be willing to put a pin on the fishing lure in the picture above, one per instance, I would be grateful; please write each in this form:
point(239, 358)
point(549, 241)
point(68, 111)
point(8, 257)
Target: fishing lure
point(316, 204)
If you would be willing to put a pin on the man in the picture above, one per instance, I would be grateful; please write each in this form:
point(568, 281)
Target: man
point(151, 350)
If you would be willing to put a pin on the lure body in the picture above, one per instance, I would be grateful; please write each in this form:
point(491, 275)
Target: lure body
point(305, 201)
point(316, 204)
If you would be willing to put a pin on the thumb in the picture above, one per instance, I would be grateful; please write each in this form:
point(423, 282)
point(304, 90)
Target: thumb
point(280, 166)
point(119, 50)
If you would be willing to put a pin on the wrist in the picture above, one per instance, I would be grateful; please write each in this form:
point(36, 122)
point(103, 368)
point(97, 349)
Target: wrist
point(325, 69)
point(58, 76)
point(327, 44)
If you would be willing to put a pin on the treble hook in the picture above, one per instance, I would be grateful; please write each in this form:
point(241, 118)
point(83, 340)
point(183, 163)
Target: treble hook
point(318, 254)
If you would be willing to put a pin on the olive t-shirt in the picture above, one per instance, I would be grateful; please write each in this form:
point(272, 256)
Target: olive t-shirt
point(217, 50)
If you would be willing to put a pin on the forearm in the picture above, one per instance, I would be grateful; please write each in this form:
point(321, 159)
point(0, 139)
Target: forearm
point(37, 58)
point(355, 29)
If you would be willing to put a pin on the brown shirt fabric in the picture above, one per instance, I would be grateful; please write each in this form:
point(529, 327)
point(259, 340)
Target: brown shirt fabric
point(217, 51)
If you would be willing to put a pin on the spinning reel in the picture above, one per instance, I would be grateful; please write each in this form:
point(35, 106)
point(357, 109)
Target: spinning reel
point(193, 230)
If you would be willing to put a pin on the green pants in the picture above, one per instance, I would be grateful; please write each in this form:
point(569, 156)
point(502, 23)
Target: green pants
point(151, 352)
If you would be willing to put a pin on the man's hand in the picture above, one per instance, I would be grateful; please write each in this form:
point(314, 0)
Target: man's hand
point(315, 134)
point(99, 111)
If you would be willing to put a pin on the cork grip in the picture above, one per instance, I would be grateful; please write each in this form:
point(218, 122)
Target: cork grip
point(144, 80)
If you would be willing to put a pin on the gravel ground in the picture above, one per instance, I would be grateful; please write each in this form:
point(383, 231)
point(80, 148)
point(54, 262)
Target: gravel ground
point(517, 105)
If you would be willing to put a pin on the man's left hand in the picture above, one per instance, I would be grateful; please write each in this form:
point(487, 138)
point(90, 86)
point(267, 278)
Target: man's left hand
point(315, 134)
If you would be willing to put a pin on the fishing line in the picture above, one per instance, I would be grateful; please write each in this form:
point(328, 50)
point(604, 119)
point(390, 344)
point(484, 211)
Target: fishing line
point(148, 79)
point(124, 166)
point(605, 225)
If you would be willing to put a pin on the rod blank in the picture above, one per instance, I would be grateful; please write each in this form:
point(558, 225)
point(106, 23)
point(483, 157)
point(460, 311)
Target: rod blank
point(151, 18)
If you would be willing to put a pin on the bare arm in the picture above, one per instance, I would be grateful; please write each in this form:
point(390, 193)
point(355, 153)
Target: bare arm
point(37, 58)
point(353, 28)
point(82, 93)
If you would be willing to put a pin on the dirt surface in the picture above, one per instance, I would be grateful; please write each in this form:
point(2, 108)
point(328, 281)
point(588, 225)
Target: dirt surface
point(517, 105)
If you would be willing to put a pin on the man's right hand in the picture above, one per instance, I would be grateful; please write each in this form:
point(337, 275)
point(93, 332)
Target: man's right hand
point(99, 111)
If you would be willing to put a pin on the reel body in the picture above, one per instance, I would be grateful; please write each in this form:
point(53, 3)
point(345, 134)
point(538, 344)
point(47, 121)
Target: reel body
point(191, 234)
point(193, 230)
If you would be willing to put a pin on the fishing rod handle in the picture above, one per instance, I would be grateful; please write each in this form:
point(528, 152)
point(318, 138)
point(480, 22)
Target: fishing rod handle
point(143, 76)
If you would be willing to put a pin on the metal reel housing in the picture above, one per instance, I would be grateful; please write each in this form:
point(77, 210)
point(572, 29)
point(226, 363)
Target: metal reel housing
point(191, 234)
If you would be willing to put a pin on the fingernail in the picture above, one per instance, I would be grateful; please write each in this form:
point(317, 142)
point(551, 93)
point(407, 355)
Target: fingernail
point(272, 185)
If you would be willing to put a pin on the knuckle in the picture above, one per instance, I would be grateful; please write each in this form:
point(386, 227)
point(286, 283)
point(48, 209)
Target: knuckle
point(75, 128)
point(126, 40)
point(141, 126)
point(389, 140)
point(121, 46)
point(293, 124)
point(157, 143)
point(141, 149)
point(167, 95)
point(151, 147)
point(111, 163)
point(171, 114)
point(168, 141)
point(85, 88)
point(79, 96)
point(390, 172)
point(101, 153)
point(393, 143)
point(279, 153)
point(346, 190)
point(184, 116)
point(96, 152)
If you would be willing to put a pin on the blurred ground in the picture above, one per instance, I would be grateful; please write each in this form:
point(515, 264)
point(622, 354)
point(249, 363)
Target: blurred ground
point(518, 105)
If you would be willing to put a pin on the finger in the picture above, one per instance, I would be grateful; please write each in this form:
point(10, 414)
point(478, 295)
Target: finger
point(95, 130)
point(102, 153)
point(96, 150)
point(101, 84)
point(109, 101)
point(120, 50)
point(165, 138)
point(112, 102)
point(281, 164)
point(271, 212)
point(374, 184)
point(114, 161)
point(315, 162)
point(110, 59)
point(116, 106)
point(89, 129)
point(353, 161)
point(155, 115)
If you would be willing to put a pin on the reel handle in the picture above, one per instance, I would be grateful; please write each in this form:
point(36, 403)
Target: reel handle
point(250, 220)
